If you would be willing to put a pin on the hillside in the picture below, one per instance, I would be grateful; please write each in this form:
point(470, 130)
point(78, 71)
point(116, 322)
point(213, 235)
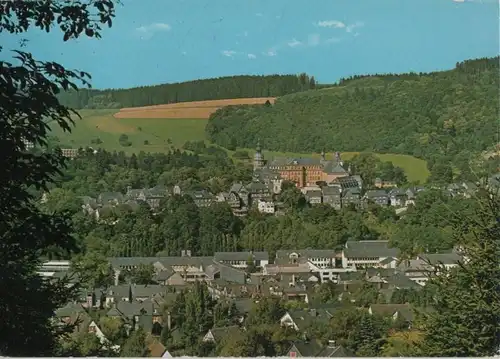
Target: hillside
point(441, 117)
point(194, 109)
point(199, 90)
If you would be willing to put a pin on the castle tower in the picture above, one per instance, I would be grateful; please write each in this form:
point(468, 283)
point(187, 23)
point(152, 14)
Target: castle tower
point(258, 158)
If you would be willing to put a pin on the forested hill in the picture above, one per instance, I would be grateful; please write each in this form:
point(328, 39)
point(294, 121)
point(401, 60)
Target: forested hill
point(199, 90)
point(440, 116)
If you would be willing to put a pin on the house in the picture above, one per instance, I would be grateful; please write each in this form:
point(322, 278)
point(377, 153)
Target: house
point(277, 269)
point(397, 197)
point(411, 195)
point(94, 328)
point(216, 335)
point(202, 198)
point(272, 179)
point(323, 258)
point(264, 206)
point(133, 292)
point(351, 196)
point(313, 348)
point(237, 205)
point(314, 196)
point(135, 314)
point(151, 196)
point(332, 196)
point(366, 253)
point(241, 259)
point(395, 311)
point(189, 267)
point(258, 191)
point(380, 183)
point(379, 197)
point(300, 320)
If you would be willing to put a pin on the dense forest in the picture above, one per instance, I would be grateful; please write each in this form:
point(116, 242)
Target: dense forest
point(198, 90)
point(442, 117)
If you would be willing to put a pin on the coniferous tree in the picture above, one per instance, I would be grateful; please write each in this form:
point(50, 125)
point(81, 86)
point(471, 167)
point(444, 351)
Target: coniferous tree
point(466, 316)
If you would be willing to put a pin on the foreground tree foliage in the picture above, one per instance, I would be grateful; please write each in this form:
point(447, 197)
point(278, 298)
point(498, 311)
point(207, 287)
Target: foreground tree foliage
point(28, 90)
point(465, 321)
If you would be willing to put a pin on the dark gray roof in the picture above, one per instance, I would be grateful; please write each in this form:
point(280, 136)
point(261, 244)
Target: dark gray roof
point(330, 191)
point(233, 275)
point(240, 256)
point(307, 253)
point(237, 188)
point(313, 194)
point(283, 161)
point(201, 195)
point(376, 193)
point(117, 262)
point(444, 258)
point(369, 249)
point(348, 182)
point(404, 310)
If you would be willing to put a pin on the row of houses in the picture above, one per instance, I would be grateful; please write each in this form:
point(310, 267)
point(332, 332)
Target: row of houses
point(325, 265)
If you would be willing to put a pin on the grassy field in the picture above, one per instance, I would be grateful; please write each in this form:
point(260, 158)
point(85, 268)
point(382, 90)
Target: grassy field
point(162, 134)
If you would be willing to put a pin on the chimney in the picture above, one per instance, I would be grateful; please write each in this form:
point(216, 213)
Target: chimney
point(313, 312)
point(331, 344)
point(129, 188)
point(293, 280)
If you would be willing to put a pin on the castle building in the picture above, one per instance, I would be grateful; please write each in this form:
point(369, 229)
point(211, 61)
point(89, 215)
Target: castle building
point(303, 171)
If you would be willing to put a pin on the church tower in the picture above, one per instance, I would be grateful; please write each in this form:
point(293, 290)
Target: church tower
point(258, 158)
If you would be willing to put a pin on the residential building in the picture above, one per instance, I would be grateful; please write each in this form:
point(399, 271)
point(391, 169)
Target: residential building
point(367, 253)
point(241, 259)
point(379, 197)
point(267, 207)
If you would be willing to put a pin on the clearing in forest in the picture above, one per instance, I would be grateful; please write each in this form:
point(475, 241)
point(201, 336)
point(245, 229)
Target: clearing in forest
point(195, 109)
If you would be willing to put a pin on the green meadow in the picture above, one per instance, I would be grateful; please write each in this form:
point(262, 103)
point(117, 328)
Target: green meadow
point(149, 135)
point(160, 135)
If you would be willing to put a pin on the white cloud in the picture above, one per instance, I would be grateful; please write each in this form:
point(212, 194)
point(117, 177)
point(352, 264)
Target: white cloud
point(313, 40)
point(353, 26)
point(228, 53)
point(271, 52)
point(294, 43)
point(148, 31)
point(251, 56)
point(331, 23)
point(259, 14)
point(184, 53)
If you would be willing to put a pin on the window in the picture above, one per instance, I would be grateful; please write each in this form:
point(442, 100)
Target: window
point(293, 354)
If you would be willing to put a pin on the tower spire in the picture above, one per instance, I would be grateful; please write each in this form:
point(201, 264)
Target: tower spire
point(258, 149)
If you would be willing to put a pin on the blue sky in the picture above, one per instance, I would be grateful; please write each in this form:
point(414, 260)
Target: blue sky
point(159, 41)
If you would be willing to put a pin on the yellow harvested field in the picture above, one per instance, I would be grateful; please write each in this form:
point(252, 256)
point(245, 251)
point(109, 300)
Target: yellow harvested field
point(195, 109)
